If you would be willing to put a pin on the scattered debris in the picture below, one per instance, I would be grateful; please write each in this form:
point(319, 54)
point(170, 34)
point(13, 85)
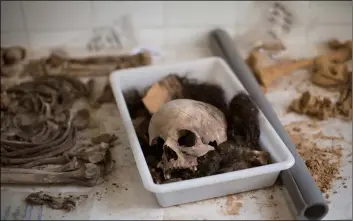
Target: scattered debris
point(323, 162)
point(315, 106)
point(323, 108)
point(55, 202)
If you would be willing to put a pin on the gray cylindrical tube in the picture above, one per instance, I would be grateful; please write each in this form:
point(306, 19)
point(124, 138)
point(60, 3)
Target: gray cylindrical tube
point(302, 189)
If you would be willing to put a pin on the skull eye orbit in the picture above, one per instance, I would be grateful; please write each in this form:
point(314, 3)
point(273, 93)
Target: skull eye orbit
point(186, 138)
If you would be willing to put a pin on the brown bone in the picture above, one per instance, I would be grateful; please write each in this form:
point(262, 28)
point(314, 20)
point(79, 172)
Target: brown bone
point(73, 164)
point(60, 149)
point(88, 175)
point(57, 64)
point(45, 161)
point(267, 74)
point(92, 154)
point(163, 91)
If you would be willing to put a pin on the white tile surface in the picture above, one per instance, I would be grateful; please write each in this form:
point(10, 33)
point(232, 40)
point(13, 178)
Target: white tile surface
point(188, 37)
point(249, 12)
point(14, 38)
point(57, 15)
point(321, 33)
point(192, 13)
point(55, 39)
point(298, 34)
point(331, 3)
point(254, 12)
point(300, 10)
point(12, 16)
point(331, 13)
point(129, 200)
point(143, 13)
point(151, 37)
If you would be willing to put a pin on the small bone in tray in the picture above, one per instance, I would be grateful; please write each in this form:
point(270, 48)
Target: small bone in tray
point(161, 92)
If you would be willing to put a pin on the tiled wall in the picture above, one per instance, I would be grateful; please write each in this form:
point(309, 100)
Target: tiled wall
point(160, 23)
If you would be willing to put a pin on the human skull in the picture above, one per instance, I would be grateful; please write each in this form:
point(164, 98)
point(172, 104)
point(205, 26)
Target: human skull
point(186, 128)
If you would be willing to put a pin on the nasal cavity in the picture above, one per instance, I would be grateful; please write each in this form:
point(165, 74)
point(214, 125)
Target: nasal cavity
point(186, 138)
point(170, 154)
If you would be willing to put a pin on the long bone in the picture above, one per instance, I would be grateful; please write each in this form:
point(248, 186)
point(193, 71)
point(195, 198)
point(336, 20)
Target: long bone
point(87, 175)
point(45, 161)
point(57, 64)
point(73, 164)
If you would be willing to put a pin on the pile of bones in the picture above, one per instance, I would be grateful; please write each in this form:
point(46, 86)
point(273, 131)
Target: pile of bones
point(44, 139)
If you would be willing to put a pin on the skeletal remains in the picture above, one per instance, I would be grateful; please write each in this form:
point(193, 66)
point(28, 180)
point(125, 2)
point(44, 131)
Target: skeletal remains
point(40, 142)
point(186, 128)
point(188, 138)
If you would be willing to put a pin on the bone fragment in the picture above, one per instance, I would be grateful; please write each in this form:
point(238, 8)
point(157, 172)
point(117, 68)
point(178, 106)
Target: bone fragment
point(73, 164)
point(104, 138)
point(315, 106)
point(57, 203)
point(329, 74)
point(165, 90)
point(51, 160)
point(108, 162)
point(93, 154)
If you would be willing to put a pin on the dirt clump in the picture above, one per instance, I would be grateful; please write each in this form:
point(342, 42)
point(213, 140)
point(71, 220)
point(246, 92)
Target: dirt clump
point(323, 108)
point(68, 203)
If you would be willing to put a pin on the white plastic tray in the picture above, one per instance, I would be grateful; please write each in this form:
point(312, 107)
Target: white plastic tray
point(213, 70)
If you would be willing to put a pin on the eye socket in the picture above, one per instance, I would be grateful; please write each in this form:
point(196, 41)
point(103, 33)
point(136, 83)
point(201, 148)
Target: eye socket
point(186, 138)
point(158, 141)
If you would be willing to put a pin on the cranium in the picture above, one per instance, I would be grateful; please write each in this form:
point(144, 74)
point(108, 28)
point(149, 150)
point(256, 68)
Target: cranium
point(186, 128)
